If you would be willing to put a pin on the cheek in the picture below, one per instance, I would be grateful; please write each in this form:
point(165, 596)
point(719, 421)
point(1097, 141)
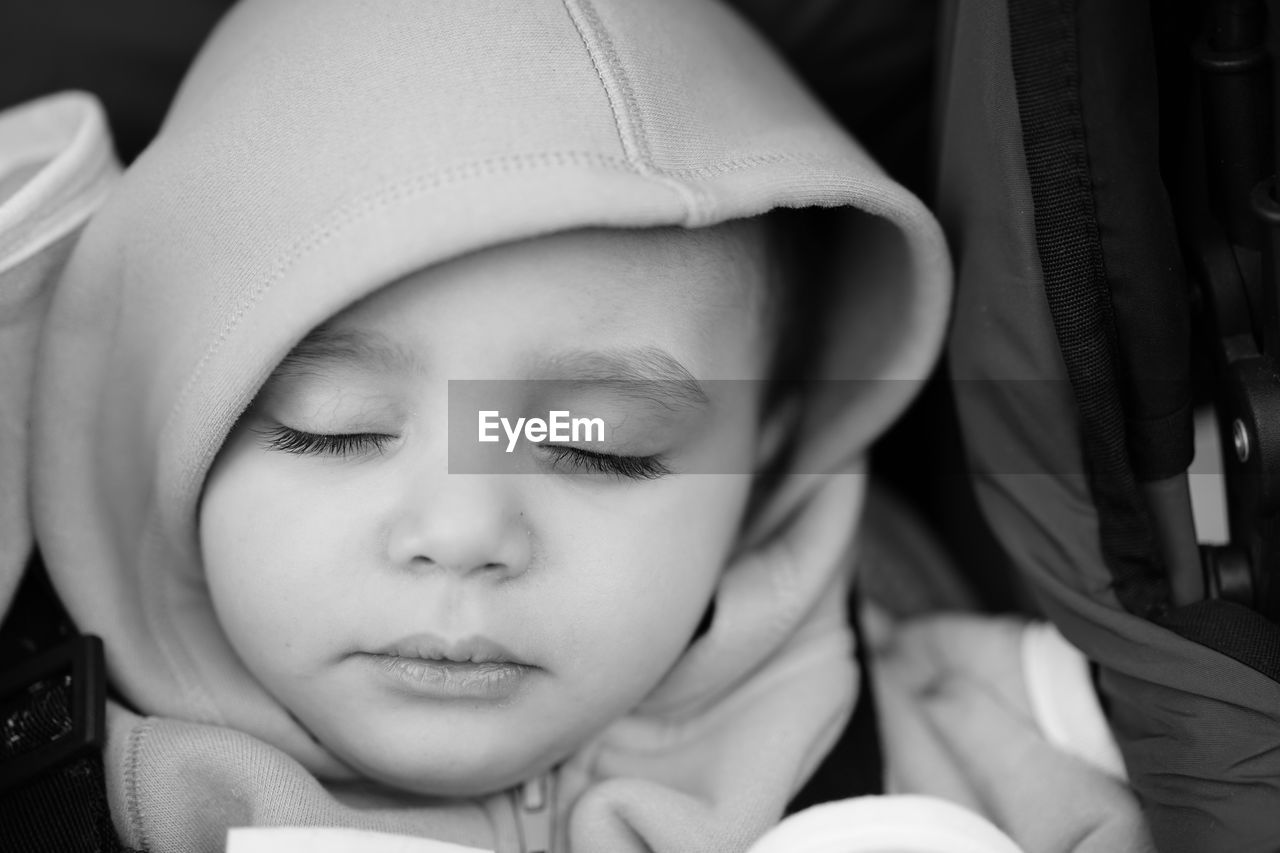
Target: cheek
point(648, 571)
point(251, 595)
point(270, 558)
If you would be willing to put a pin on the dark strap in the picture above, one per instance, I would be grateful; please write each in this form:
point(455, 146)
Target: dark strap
point(1047, 70)
point(53, 794)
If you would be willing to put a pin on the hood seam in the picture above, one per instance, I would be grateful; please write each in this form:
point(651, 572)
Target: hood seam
point(621, 95)
point(626, 108)
point(132, 799)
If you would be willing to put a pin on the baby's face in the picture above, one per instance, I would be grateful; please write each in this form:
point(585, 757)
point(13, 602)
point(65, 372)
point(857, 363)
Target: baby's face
point(458, 633)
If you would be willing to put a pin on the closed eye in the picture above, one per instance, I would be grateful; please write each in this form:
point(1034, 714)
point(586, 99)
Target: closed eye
point(575, 460)
point(292, 440)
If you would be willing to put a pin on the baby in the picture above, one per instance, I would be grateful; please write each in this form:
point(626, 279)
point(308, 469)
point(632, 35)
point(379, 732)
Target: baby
point(329, 596)
point(461, 633)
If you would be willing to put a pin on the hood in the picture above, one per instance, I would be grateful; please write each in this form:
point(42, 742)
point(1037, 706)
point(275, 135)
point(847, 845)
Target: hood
point(318, 151)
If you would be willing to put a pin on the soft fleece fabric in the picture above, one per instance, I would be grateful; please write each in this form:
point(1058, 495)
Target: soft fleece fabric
point(56, 167)
point(319, 150)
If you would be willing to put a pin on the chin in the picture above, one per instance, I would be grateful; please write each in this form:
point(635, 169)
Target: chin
point(453, 775)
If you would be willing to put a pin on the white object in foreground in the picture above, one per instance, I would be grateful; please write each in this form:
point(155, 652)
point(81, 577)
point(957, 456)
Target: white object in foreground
point(889, 824)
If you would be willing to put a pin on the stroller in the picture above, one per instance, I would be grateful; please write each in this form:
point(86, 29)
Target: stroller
point(1102, 170)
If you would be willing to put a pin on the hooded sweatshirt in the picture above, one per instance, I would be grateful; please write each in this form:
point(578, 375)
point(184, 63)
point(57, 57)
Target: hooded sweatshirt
point(318, 151)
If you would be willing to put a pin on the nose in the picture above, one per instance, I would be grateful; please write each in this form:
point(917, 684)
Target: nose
point(464, 523)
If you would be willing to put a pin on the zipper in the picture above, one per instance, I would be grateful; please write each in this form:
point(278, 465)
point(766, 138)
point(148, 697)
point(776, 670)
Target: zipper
point(534, 806)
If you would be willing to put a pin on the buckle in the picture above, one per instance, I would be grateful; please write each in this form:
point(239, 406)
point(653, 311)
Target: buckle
point(81, 659)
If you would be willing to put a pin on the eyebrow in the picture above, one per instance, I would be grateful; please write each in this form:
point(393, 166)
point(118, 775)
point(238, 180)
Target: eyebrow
point(649, 374)
point(325, 345)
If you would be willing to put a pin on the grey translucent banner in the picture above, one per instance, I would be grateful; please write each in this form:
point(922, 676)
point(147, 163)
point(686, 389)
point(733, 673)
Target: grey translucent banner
point(648, 429)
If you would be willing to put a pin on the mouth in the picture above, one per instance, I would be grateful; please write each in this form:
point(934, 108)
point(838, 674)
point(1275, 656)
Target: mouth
point(474, 649)
point(430, 666)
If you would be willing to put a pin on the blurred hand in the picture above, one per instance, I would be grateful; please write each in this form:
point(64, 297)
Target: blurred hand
point(957, 723)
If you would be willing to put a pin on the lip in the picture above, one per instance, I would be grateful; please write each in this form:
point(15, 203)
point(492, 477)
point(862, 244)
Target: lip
point(434, 667)
point(432, 647)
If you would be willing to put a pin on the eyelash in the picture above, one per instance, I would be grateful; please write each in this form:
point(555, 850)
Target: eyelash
point(302, 443)
point(581, 461)
point(575, 459)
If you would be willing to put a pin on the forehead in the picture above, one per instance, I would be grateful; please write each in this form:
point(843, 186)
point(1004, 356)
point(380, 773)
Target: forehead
point(591, 289)
point(717, 267)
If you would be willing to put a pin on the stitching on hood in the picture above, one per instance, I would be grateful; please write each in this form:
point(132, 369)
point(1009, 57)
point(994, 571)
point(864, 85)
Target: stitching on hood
point(617, 86)
point(724, 167)
point(626, 107)
point(133, 802)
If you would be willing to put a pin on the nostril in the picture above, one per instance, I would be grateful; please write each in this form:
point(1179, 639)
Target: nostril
point(425, 561)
